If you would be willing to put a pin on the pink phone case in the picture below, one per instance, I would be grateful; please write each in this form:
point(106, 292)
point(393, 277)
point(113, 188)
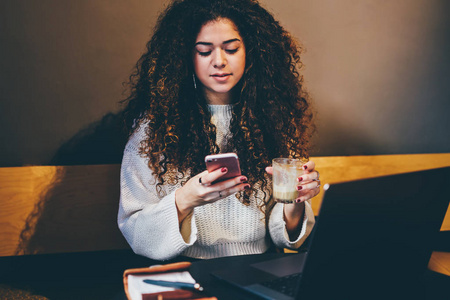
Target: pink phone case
point(228, 160)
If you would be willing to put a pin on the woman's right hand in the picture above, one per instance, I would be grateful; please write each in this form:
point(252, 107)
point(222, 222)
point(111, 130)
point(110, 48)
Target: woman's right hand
point(200, 190)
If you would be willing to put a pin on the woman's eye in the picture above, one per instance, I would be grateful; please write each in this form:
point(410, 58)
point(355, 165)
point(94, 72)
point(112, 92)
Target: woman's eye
point(207, 53)
point(204, 53)
point(231, 51)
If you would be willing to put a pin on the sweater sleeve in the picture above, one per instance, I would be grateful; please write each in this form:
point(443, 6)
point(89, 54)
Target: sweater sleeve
point(277, 227)
point(149, 222)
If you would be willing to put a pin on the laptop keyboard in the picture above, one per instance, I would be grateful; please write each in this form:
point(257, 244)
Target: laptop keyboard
point(285, 285)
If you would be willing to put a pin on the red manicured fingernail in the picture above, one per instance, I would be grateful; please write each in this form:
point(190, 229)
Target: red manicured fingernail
point(305, 167)
point(299, 179)
point(298, 200)
point(247, 187)
point(243, 179)
point(299, 187)
point(224, 170)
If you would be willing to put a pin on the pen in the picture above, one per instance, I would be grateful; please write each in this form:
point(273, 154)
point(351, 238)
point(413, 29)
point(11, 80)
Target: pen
point(175, 284)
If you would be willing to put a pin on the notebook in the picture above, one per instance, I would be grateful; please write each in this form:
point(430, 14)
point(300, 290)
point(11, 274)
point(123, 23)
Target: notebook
point(372, 240)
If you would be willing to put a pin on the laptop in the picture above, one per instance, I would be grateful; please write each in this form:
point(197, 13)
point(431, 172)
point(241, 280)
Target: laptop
point(372, 240)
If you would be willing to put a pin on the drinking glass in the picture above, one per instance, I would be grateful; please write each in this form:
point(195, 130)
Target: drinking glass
point(285, 174)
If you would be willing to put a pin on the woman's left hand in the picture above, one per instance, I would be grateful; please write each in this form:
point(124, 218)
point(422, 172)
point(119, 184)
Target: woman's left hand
point(308, 187)
point(308, 184)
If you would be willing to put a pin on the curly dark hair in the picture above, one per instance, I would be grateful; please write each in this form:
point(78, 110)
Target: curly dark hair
point(271, 115)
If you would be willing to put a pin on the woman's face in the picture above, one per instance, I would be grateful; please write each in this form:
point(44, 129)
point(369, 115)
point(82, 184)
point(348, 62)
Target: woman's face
point(219, 59)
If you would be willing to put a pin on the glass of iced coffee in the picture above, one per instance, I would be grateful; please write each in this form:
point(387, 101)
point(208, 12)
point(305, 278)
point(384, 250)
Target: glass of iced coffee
point(285, 174)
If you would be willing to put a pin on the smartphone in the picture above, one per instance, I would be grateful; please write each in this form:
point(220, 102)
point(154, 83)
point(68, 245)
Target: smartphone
point(228, 160)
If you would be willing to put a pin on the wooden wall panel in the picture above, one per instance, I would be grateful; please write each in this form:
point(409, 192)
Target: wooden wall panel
point(48, 209)
point(335, 169)
point(53, 209)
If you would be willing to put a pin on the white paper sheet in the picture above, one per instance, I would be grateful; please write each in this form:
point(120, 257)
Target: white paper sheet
point(137, 287)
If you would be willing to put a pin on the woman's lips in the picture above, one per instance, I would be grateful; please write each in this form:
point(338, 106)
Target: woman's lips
point(221, 77)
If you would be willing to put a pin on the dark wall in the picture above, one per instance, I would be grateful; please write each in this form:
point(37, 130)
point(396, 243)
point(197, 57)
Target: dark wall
point(378, 71)
point(62, 67)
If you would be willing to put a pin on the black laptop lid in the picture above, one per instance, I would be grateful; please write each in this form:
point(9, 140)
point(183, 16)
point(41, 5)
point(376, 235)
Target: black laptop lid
point(374, 237)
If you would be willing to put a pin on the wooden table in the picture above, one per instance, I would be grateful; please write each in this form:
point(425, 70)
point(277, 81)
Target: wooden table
point(440, 262)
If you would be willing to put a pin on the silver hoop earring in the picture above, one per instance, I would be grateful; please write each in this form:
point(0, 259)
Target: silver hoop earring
point(195, 83)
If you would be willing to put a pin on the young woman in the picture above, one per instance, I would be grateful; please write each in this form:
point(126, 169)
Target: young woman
point(218, 76)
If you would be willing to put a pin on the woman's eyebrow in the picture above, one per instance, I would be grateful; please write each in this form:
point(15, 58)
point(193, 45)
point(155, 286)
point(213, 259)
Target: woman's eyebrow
point(225, 42)
point(230, 41)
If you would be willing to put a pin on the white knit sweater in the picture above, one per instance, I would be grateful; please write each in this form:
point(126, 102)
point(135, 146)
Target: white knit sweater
point(149, 222)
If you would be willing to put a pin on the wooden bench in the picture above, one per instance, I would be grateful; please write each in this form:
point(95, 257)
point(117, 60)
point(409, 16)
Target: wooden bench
point(57, 209)
point(61, 209)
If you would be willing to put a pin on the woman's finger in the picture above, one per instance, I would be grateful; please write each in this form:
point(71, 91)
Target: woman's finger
point(313, 176)
point(228, 183)
point(309, 186)
point(202, 178)
point(269, 170)
point(304, 196)
point(309, 166)
point(217, 195)
point(206, 178)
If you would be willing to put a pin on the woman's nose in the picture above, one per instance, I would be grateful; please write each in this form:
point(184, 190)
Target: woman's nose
point(219, 59)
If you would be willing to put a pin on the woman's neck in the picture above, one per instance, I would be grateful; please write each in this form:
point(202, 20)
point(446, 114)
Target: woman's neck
point(217, 98)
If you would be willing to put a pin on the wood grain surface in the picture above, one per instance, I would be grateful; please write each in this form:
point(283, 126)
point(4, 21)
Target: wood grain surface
point(54, 209)
point(335, 169)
